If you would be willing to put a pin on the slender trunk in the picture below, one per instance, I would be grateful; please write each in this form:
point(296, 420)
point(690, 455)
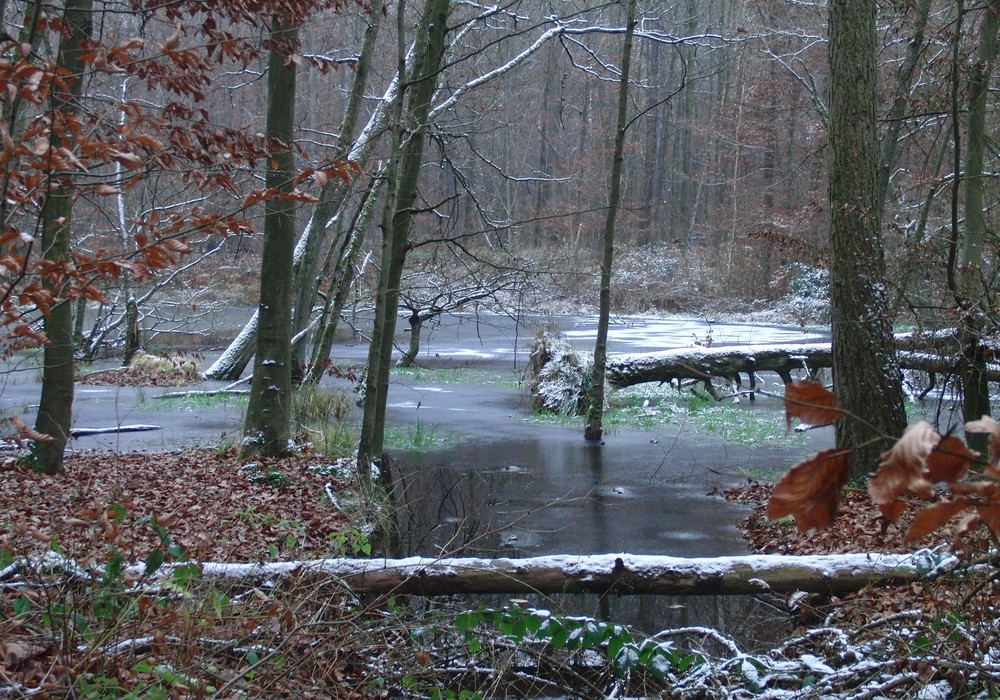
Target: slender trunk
point(595, 396)
point(333, 196)
point(55, 409)
point(343, 278)
point(897, 113)
point(267, 428)
point(975, 390)
point(397, 218)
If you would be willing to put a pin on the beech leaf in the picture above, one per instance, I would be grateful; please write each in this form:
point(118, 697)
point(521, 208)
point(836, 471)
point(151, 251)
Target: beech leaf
point(949, 461)
point(810, 491)
point(931, 517)
point(989, 515)
point(812, 403)
point(902, 470)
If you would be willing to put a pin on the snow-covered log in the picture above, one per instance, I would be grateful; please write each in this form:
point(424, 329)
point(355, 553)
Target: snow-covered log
point(731, 361)
point(602, 573)
point(723, 361)
point(138, 428)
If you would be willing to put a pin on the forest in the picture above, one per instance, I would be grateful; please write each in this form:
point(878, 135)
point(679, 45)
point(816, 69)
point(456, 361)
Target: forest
point(372, 167)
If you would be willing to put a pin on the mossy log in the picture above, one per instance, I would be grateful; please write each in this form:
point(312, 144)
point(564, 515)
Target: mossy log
point(602, 573)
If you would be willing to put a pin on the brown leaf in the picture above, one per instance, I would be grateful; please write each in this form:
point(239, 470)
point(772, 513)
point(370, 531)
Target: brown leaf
point(811, 403)
point(949, 461)
point(989, 515)
point(25, 432)
point(902, 470)
point(810, 491)
point(992, 428)
point(932, 517)
point(892, 511)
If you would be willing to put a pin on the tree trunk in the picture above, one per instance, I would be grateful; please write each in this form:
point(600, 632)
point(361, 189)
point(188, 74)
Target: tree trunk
point(594, 429)
point(867, 378)
point(55, 409)
point(237, 356)
point(267, 428)
point(972, 291)
point(617, 574)
point(416, 322)
point(397, 218)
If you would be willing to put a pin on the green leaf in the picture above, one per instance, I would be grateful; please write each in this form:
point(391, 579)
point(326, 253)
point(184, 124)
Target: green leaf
point(154, 561)
point(466, 621)
point(22, 607)
point(118, 513)
point(627, 659)
point(659, 666)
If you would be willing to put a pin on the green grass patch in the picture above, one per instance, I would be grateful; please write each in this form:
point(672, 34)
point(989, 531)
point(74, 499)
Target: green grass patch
point(459, 375)
point(195, 401)
point(652, 406)
point(417, 436)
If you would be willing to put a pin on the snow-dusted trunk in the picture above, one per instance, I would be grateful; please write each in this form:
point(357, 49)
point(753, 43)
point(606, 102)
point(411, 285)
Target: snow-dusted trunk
point(331, 199)
point(235, 355)
point(867, 379)
point(234, 360)
point(397, 219)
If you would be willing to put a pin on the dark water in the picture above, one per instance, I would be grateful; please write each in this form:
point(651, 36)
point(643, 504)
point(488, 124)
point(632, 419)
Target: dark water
point(550, 492)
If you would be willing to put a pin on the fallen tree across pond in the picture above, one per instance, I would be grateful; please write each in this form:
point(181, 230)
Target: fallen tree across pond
point(730, 362)
point(602, 573)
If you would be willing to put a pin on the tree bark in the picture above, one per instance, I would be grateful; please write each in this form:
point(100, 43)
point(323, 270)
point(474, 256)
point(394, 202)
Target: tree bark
point(617, 574)
point(594, 429)
point(266, 431)
point(867, 378)
point(55, 409)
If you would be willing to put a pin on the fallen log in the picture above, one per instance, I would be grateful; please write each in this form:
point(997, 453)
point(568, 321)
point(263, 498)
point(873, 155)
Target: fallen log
point(603, 573)
point(729, 362)
point(83, 432)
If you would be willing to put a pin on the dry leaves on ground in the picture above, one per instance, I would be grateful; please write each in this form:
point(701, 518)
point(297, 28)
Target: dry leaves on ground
point(861, 527)
point(208, 503)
